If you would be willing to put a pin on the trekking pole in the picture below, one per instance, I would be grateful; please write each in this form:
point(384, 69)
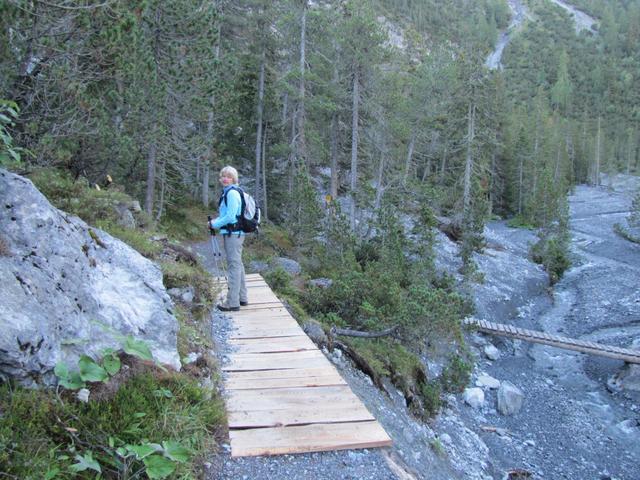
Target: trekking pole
point(217, 253)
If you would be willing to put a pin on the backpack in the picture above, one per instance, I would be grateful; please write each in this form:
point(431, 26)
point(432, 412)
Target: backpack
point(250, 214)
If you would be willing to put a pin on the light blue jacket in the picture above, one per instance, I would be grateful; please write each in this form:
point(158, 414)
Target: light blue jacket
point(229, 211)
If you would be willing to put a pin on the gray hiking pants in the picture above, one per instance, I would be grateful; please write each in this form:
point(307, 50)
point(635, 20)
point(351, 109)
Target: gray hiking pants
point(237, 290)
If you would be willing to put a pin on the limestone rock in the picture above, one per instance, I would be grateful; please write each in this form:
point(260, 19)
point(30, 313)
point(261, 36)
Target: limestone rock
point(68, 290)
point(474, 397)
point(321, 282)
point(626, 379)
point(488, 381)
point(125, 217)
point(491, 352)
point(258, 266)
point(315, 332)
point(290, 266)
point(510, 399)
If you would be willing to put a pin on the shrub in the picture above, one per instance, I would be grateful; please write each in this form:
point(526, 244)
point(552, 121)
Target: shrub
point(456, 374)
point(552, 251)
point(430, 392)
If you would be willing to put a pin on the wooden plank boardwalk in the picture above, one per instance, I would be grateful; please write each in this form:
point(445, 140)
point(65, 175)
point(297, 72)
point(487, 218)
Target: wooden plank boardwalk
point(282, 394)
point(628, 355)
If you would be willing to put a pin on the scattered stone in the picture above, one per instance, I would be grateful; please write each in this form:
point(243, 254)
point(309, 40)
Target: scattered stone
point(510, 399)
point(185, 295)
point(290, 266)
point(315, 332)
point(135, 206)
point(474, 397)
point(488, 381)
point(83, 395)
point(125, 217)
point(626, 379)
point(491, 352)
point(258, 266)
point(321, 282)
point(191, 358)
point(629, 426)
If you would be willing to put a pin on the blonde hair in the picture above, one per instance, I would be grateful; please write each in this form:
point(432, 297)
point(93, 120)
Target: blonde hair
point(229, 171)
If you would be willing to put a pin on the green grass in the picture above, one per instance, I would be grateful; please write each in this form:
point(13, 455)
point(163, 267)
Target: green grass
point(41, 434)
point(180, 275)
point(188, 222)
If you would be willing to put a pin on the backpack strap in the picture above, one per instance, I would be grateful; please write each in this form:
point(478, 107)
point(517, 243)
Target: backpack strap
point(232, 227)
point(223, 197)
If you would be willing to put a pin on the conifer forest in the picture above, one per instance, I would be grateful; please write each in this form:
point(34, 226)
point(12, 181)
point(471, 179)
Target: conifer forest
point(363, 128)
point(368, 101)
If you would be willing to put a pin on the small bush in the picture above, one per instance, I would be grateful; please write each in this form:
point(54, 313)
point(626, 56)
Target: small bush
point(456, 374)
point(430, 392)
point(279, 280)
point(520, 221)
point(552, 251)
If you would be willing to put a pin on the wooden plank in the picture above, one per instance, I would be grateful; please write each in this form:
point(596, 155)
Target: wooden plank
point(281, 321)
point(270, 361)
point(288, 373)
point(307, 438)
point(304, 381)
point(281, 398)
point(273, 310)
point(247, 332)
point(337, 412)
point(282, 344)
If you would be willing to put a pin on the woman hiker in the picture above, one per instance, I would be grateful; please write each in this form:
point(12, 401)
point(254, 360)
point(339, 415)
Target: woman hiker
point(226, 223)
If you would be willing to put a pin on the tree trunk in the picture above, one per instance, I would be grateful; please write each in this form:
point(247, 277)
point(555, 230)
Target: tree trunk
point(302, 147)
point(443, 164)
point(407, 163)
point(354, 144)
point(264, 175)
point(205, 183)
point(163, 187)
point(596, 169)
point(520, 181)
point(468, 165)
point(210, 126)
point(259, 138)
point(335, 125)
point(151, 178)
point(492, 182)
point(334, 156)
point(379, 187)
point(630, 150)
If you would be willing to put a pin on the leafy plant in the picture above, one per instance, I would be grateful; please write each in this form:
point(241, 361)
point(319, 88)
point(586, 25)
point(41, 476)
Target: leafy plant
point(9, 153)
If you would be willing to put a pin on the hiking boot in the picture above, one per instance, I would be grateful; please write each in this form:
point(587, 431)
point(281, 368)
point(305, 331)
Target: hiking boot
point(224, 308)
point(244, 304)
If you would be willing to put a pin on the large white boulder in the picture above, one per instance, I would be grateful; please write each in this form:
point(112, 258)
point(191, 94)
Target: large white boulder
point(510, 399)
point(68, 289)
